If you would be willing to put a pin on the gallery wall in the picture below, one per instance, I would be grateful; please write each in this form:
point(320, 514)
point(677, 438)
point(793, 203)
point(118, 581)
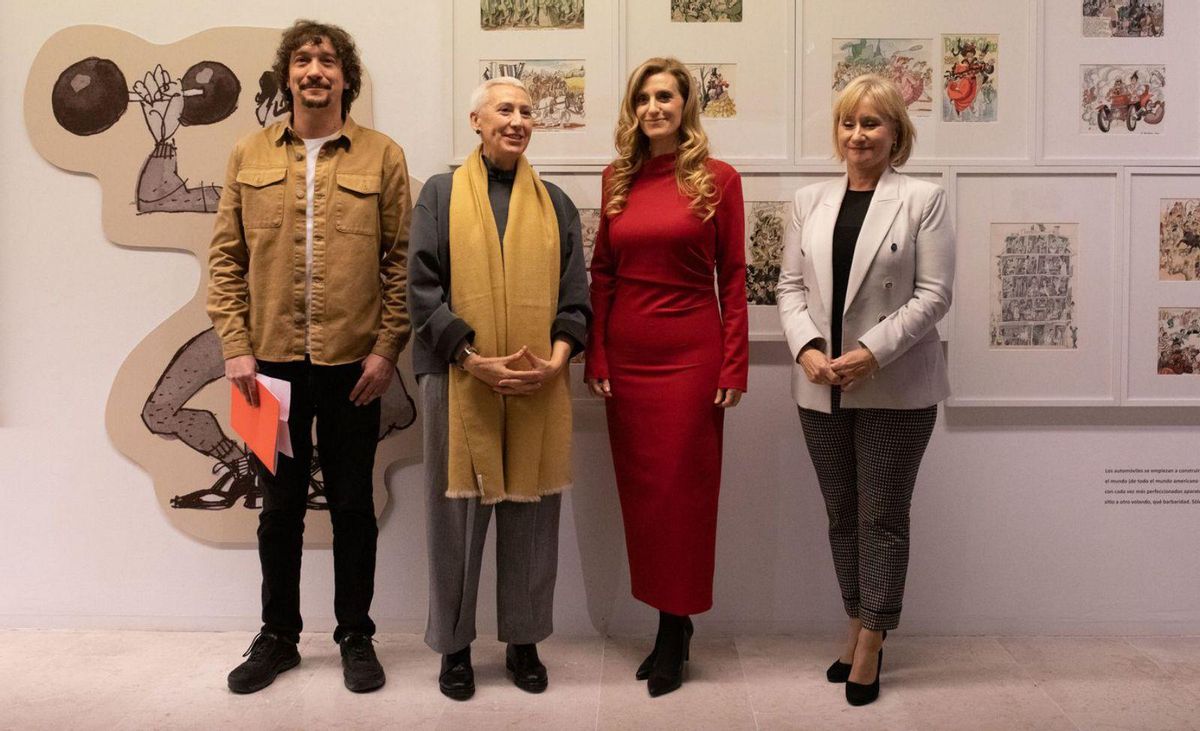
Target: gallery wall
point(1018, 526)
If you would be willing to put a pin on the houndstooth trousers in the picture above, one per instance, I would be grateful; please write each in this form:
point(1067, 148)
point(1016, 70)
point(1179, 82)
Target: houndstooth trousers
point(866, 462)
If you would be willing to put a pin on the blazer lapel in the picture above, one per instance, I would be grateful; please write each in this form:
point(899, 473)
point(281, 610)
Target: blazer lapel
point(821, 247)
point(885, 204)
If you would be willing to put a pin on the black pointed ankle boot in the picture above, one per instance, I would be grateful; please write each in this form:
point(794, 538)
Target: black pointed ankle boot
point(671, 651)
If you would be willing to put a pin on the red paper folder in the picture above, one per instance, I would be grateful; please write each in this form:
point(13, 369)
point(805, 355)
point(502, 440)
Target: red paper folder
point(258, 426)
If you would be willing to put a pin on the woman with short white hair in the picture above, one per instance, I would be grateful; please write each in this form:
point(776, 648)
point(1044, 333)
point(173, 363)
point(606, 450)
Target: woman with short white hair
point(499, 302)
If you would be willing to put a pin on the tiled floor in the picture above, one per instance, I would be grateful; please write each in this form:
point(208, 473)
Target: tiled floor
point(141, 680)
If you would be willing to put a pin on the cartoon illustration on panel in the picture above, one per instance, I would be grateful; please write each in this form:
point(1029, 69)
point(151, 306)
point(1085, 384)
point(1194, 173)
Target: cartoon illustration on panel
point(556, 87)
point(706, 11)
point(168, 407)
point(1178, 341)
point(90, 96)
point(530, 14)
point(906, 61)
point(1116, 98)
point(765, 224)
point(589, 224)
point(1033, 285)
point(1179, 239)
point(715, 82)
point(1122, 18)
point(969, 89)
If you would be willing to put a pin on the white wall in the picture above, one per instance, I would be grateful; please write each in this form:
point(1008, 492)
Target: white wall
point(1010, 533)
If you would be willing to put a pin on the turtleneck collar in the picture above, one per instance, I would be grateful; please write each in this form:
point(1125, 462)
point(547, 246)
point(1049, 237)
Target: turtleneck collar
point(660, 163)
point(495, 173)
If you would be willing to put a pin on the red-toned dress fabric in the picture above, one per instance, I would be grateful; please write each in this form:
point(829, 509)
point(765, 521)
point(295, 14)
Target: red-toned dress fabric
point(667, 341)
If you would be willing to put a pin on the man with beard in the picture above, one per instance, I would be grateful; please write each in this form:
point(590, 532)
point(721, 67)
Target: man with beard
point(307, 277)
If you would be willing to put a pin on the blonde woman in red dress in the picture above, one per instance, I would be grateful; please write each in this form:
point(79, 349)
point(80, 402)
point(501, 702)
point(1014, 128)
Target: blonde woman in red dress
point(667, 351)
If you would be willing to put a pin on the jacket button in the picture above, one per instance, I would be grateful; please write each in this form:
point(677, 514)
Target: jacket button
point(882, 318)
point(887, 285)
point(893, 246)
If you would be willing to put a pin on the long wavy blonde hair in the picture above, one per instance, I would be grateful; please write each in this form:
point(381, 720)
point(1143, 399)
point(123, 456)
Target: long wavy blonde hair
point(692, 175)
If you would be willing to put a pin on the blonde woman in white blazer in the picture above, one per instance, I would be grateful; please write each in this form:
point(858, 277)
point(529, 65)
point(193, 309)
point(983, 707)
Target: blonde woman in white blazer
point(867, 272)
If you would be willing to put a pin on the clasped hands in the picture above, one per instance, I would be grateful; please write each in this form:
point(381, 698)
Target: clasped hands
point(506, 376)
point(846, 371)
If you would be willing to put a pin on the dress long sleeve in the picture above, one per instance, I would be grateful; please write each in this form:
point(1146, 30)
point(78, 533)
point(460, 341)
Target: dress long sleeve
point(602, 289)
point(731, 284)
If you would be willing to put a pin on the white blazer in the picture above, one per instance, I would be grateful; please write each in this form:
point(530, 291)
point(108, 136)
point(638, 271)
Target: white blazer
point(900, 285)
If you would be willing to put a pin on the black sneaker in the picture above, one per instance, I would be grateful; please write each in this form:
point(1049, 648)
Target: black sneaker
point(268, 656)
point(360, 668)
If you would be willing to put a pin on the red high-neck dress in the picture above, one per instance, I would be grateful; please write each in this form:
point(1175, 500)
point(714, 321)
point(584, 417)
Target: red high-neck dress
point(667, 340)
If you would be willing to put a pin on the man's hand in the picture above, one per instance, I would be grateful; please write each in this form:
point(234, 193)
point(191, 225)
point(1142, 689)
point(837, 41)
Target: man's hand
point(854, 367)
point(816, 367)
point(376, 377)
point(240, 370)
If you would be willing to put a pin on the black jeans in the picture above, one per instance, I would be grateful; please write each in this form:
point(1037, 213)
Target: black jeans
point(346, 435)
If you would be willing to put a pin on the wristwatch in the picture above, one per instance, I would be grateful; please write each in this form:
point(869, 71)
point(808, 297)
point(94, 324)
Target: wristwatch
point(467, 351)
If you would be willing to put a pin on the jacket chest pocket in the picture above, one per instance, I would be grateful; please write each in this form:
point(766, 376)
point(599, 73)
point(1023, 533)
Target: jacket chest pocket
point(356, 204)
point(262, 196)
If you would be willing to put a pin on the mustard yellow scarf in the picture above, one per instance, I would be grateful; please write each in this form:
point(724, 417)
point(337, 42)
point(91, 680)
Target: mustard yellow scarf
point(506, 447)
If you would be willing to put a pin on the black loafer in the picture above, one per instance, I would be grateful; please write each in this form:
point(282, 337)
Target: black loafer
point(457, 679)
point(268, 656)
point(361, 670)
point(528, 672)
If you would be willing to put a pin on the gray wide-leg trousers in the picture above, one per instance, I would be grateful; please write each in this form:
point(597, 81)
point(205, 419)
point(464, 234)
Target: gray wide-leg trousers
point(526, 547)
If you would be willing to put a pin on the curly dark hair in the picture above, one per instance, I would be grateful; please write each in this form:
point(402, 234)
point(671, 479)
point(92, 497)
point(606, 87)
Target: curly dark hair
point(304, 32)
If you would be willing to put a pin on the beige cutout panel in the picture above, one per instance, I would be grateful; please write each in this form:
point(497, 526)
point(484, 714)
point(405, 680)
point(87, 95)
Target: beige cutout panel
point(155, 125)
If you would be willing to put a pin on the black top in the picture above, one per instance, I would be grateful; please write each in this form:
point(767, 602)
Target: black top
point(439, 331)
point(845, 236)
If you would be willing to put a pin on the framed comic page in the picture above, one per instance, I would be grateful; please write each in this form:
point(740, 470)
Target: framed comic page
point(1036, 317)
point(740, 54)
point(1119, 82)
point(965, 69)
point(768, 213)
point(567, 55)
point(1163, 322)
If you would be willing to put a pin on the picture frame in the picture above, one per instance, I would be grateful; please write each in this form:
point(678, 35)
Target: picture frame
point(1085, 372)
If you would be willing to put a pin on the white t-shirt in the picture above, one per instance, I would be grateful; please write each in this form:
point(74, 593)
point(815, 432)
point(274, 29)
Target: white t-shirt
point(313, 148)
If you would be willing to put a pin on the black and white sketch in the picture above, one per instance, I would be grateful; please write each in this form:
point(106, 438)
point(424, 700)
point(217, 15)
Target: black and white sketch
point(589, 224)
point(90, 96)
point(765, 224)
point(1033, 285)
point(530, 14)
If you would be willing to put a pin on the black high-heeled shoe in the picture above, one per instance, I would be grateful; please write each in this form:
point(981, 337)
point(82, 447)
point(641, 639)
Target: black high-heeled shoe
point(839, 672)
point(671, 653)
point(858, 694)
point(644, 670)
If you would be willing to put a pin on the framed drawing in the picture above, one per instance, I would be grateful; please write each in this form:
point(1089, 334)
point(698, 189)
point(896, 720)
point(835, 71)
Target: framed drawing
point(566, 54)
point(1118, 83)
point(1035, 317)
point(1162, 366)
point(965, 69)
point(740, 55)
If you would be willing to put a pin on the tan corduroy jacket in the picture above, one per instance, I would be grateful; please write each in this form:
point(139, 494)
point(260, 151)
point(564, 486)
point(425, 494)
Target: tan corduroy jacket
point(361, 212)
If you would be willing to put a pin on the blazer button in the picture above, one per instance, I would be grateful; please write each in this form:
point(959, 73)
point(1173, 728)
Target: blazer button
point(893, 246)
point(887, 285)
point(882, 318)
